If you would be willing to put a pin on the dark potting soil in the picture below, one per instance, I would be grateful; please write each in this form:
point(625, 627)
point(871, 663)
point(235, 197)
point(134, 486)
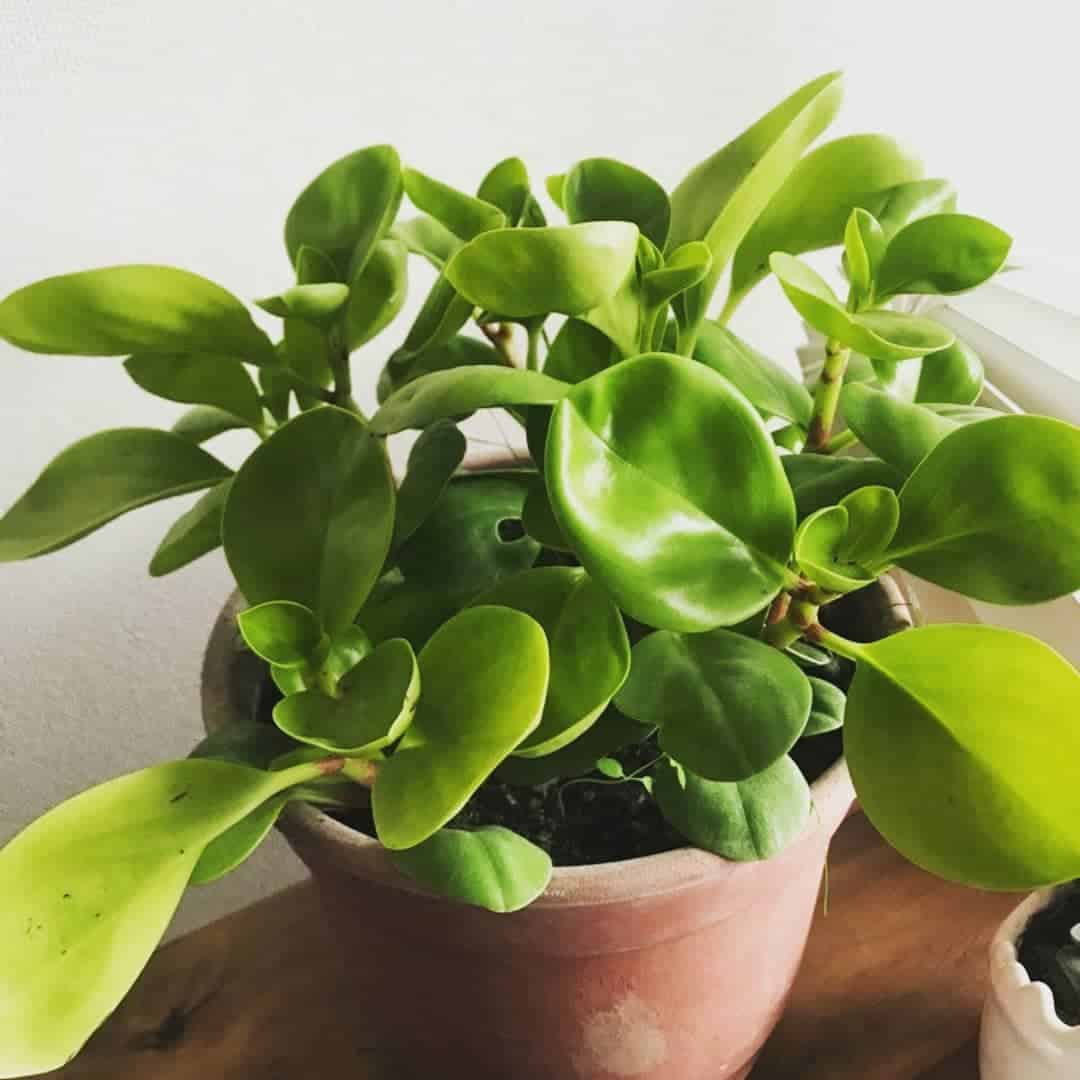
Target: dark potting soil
point(1051, 955)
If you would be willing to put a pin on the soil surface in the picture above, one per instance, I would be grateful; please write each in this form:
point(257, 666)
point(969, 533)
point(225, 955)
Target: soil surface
point(1051, 954)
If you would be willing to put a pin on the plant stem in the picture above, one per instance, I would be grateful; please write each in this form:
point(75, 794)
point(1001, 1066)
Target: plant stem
point(532, 358)
point(839, 645)
point(789, 619)
point(501, 336)
point(339, 365)
point(841, 441)
point(827, 397)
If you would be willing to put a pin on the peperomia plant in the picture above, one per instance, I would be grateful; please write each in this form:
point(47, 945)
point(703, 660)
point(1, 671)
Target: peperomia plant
point(685, 494)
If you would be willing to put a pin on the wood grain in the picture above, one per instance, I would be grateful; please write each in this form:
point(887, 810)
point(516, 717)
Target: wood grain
point(890, 989)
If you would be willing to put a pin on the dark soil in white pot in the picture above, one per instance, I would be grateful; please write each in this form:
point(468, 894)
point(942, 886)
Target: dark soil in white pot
point(1049, 950)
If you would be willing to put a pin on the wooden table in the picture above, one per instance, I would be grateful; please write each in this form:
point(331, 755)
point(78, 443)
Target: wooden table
point(890, 990)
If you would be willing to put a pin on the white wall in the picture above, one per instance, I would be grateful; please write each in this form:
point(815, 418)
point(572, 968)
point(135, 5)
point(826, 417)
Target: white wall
point(180, 132)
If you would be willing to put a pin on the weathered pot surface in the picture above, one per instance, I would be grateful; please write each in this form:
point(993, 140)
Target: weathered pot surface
point(1022, 1037)
point(675, 966)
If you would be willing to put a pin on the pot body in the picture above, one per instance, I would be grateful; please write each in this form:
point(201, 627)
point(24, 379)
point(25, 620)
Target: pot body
point(674, 967)
point(1022, 1037)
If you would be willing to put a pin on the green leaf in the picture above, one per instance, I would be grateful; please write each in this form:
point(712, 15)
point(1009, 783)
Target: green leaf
point(199, 379)
point(727, 706)
point(484, 676)
point(225, 853)
point(971, 778)
point(244, 742)
point(459, 549)
point(428, 238)
point(818, 481)
point(721, 198)
point(204, 422)
point(377, 293)
point(554, 186)
point(538, 520)
point(524, 272)
point(618, 474)
point(826, 709)
point(433, 459)
point(684, 268)
point(407, 609)
point(310, 516)
point(374, 706)
point(990, 512)
point(460, 351)
point(507, 186)
point(589, 649)
point(193, 534)
point(602, 189)
point(610, 768)
point(579, 351)
point(314, 267)
point(819, 550)
point(347, 209)
point(767, 386)
point(443, 314)
point(944, 253)
point(460, 391)
point(864, 246)
point(873, 516)
point(462, 214)
point(98, 479)
point(306, 351)
point(811, 209)
point(953, 375)
point(87, 891)
point(283, 633)
point(316, 303)
point(881, 335)
point(900, 205)
point(490, 867)
point(131, 309)
point(752, 819)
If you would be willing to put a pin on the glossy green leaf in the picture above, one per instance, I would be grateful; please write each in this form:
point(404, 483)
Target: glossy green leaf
point(88, 890)
point(524, 272)
point(484, 676)
point(812, 208)
point(506, 186)
point(864, 246)
point(199, 379)
point(684, 268)
point(578, 351)
point(602, 189)
point(490, 867)
point(826, 709)
point(276, 385)
point(884, 335)
point(991, 511)
point(347, 208)
point(619, 471)
point(131, 309)
point(193, 534)
point(462, 214)
point(425, 236)
point(227, 851)
point(953, 375)
point(944, 253)
point(538, 520)
point(443, 313)
point(306, 351)
point(752, 819)
point(727, 706)
point(244, 742)
point(900, 205)
point(767, 386)
point(460, 547)
point(873, 516)
point(314, 267)
point(972, 778)
point(283, 633)
point(376, 293)
point(204, 422)
point(374, 706)
point(316, 303)
point(408, 609)
point(460, 391)
point(820, 552)
point(589, 649)
point(310, 516)
point(460, 351)
point(818, 481)
point(554, 186)
point(721, 198)
point(98, 479)
point(434, 458)
point(341, 654)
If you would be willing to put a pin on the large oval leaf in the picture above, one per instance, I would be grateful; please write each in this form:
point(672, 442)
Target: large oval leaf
point(727, 705)
point(900, 205)
point(462, 214)
point(428, 238)
point(376, 293)
point(991, 512)
point(490, 867)
point(87, 891)
point(484, 676)
point(433, 460)
point(818, 481)
point(131, 309)
point(590, 652)
point(98, 479)
point(636, 474)
point(194, 534)
point(523, 272)
point(602, 189)
point(204, 422)
point(755, 818)
point(310, 516)
point(463, 390)
point(347, 208)
point(812, 208)
point(971, 777)
point(954, 375)
point(199, 379)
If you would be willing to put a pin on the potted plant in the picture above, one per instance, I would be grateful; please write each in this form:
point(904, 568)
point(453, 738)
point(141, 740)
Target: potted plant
point(1031, 1020)
point(629, 639)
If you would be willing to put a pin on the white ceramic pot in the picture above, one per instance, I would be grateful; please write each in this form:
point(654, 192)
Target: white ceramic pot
point(1022, 1036)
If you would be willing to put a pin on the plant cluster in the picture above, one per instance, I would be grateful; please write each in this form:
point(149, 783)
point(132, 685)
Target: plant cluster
point(680, 482)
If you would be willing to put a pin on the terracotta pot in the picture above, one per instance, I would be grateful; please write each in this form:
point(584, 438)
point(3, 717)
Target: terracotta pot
point(673, 967)
point(1022, 1037)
